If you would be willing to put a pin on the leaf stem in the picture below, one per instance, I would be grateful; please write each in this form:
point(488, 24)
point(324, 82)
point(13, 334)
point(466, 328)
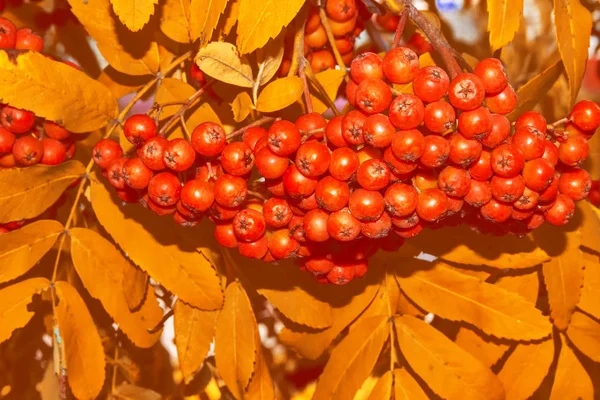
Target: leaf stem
point(331, 39)
point(301, 72)
point(115, 367)
point(559, 122)
point(186, 106)
point(262, 121)
point(400, 27)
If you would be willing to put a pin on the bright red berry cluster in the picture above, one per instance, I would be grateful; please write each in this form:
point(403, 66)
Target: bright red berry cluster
point(332, 193)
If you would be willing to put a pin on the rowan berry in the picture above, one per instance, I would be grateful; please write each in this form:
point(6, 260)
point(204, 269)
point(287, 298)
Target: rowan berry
point(160, 210)
point(139, 128)
point(527, 201)
point(549, 193)
point(496, 211)
point(575, 183)
point(311, 123)
point(350, 91)
point(400, 65)
point(585, 115)
point(366, 66)
point(317, 38)
point(508, 190)
point(562, 211)
point(343, 226)
point(407, 233)
point(296, 184)
point(252, 135)
point(277, 212)
point(378, 131)
point(7, 160)
point(152, 153)
point(345, 45)
point(197, 196)
point(105, 152)
point(503, 102)
point(8, 34)
point(403, 169)
point(378, 228)
point(344, 163)
point(431, 84)
point(499, 132)
point(315, 225)
point(594, 196)
point(425, 179)
point(492, 73)
point(409, 221)
point(373, 96)
point(248, 225)
point(115, 173)
point(332, 194)
point(269, 164)
point(373, 174)
point(230, 191)
point(7, 139)
point(313, 158)
point(237, 159)
point(208, 139)
point(463, 151)
point(550, 152)
point(466, 92)
point(531, 119)
point(408, 145)
point(257, 249)
point(26, 39)
point(284, 138)
point(406, 111)
point(341, 274)
point(218, 213)
point(507, 160)
point(454, 181)
point(530, 141)
point(313, 20)
point(282, 245)
point(439, 117)
point(164, 189)
point(136, 174)
point(538, 174)
point(437, 151)
point(28, 151)
point(16, 120)
point(475, 124)
point(400, 200)
point(353, 127)
point(480, 193)
point(573, 151)
point(432, 205)
point(55, 131)
point(275, 186)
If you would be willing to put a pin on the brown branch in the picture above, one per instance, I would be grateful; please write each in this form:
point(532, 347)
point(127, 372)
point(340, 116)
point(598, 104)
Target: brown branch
point(301, 72)
point(262, 121)
point(375, 36)
point(186, 106)
point(400, 27)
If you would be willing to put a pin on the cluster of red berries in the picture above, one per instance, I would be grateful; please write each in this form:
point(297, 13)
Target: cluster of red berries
point(332, 193)
point(24, 139)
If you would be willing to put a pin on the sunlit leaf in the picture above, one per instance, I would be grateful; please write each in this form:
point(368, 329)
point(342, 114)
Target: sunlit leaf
point(221, 61)
point(55, 91)
point(132, 53)
point(261, 384)
point(241, 106)
point(127, 391)
point(229, 18)
point(584, 332)
point(21, 249)
point(279, 94)
point(590, 228)
point(571, 380)
point(504, 18)
point(528, 285)
point(175, 20)
point(121, 84)
point(134, 14)
point(383, 387)
point(258, 21)
point(14, 300)
point(488, 352)
point(331, 80)
point(101, 268)
point(135, 287)
point(590, 301)
point(406, 387)
point(27, 192)
point(82, 344)
point(447, 369)
point(352, 360)
point(204, 16)
point(269, 59)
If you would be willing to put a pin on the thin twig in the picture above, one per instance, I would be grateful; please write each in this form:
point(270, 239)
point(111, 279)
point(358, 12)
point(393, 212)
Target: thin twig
point(262, 121)
point(331, 39)
point(400, 27)
point(375, 36)
point(313, 79)
point(186, 131)
point(186, 106)
point(298, 47)
point(302, 74)
point(114, 375)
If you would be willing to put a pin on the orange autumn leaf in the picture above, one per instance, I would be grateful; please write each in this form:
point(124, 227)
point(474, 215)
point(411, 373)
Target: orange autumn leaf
point(14, 300)
point(584, 333)
point(383, 387)
point(589, 300)
point(571, 380)
point(261, 384)
point(486, 350)
point(406, 386)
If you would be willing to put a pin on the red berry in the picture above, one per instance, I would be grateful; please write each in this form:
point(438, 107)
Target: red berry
point(333, 132)
point(548, 194)
point(408, 145)
point(179, 155)
point(503, 102)
point(105, 152)
point(298, 185)
point(161, 210)
point(277, 212)
point(527, 201)
point(332, 194)
point(209, 139)
point(8, 34)
point(54, 152)
point(466, 92)
point(476, 123)
point(499, 132)
point(366, 205)
point(400, 200)
point(313, 158)
point(16, 120)
point(507, 160)
point(378, 131)
point(573, 151)
point(315, 225)
point(531, 119)
point(136, 174)
point(373, 96)
point(164, 189)
point(586, 115)
point(353, 126)
point(538, 174)
point(482, 168)
point(230, 191)
point(343, 226)
point(437, 151)
point(406, 111)
point(248, 225)
point(7, 160)
point(550, 152)
point(439, 117)
point(310, 123)
point(400, 65)
point(594, 196)
point(55, 131)
point(351, 87)
point(454, 181)
point(28, 40)
point(432, 205)
point(431, 84)
point(284, 138)
point(197, 76)
point(115, 173)
point(562, 211)
point(373, 174)
point(496, 211)
point(319, 265)
point(341, 275)
point(398, 166)
point(575, 183)
point(282, 244)
point(530, 141)
point(237, 159)
point(256, 249)
point(28, 151)
point(480, 193)
point(139, 128)
point(344, 163)
point(508, 190)
point(463, 151)
point(7, 139)
point(492, 73)
point(253, 135)
point(366, 66)
point(377, 229)
point(197, 196)
point(152, 153)
point(219, 213)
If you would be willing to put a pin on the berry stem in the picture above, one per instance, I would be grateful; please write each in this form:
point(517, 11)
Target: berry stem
point(560, 122)
point(188, 103)
point(313, 79)
point(375, 36)
point(331, 39)
point(400, 27)
point(301, 72)
point(257, 195)
point(262, 121)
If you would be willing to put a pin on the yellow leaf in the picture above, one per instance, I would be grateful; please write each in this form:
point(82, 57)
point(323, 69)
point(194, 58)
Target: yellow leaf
point(504, 18)
point(221, 61)
point(425, 59)
point(471, 60)
point(590, 301)
point(526, 368)
point(204, 16)
point(229, 19)
point(241, 106)
point(533, 91)
point(101, 268)
point(121, 84)
point(331, 80)
point(488, 352)
point(352, 361)
point(135, 287)
point(55, 91)
point(584, 333)
point(279, 94)
point(134, 14)
point(261, 385)
point(449, 371)
point(21, 249)
point(347, 303)
point(175, 90)
point(194, 331)
point(175, 20)
point(126, 391)
point(133, 53)
point(590, 227)
point(27, 192)
point(506, 251)
point(563, 277)
point(573, 26)
point(83, 348)
point(14, 300)
point(459, 297)
point(269, 59)
point(571, 380)
point(258, 21)
point(167, 255)
point(406, 387)
point(383, 387)
point(236, 340)
point(528, 285)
